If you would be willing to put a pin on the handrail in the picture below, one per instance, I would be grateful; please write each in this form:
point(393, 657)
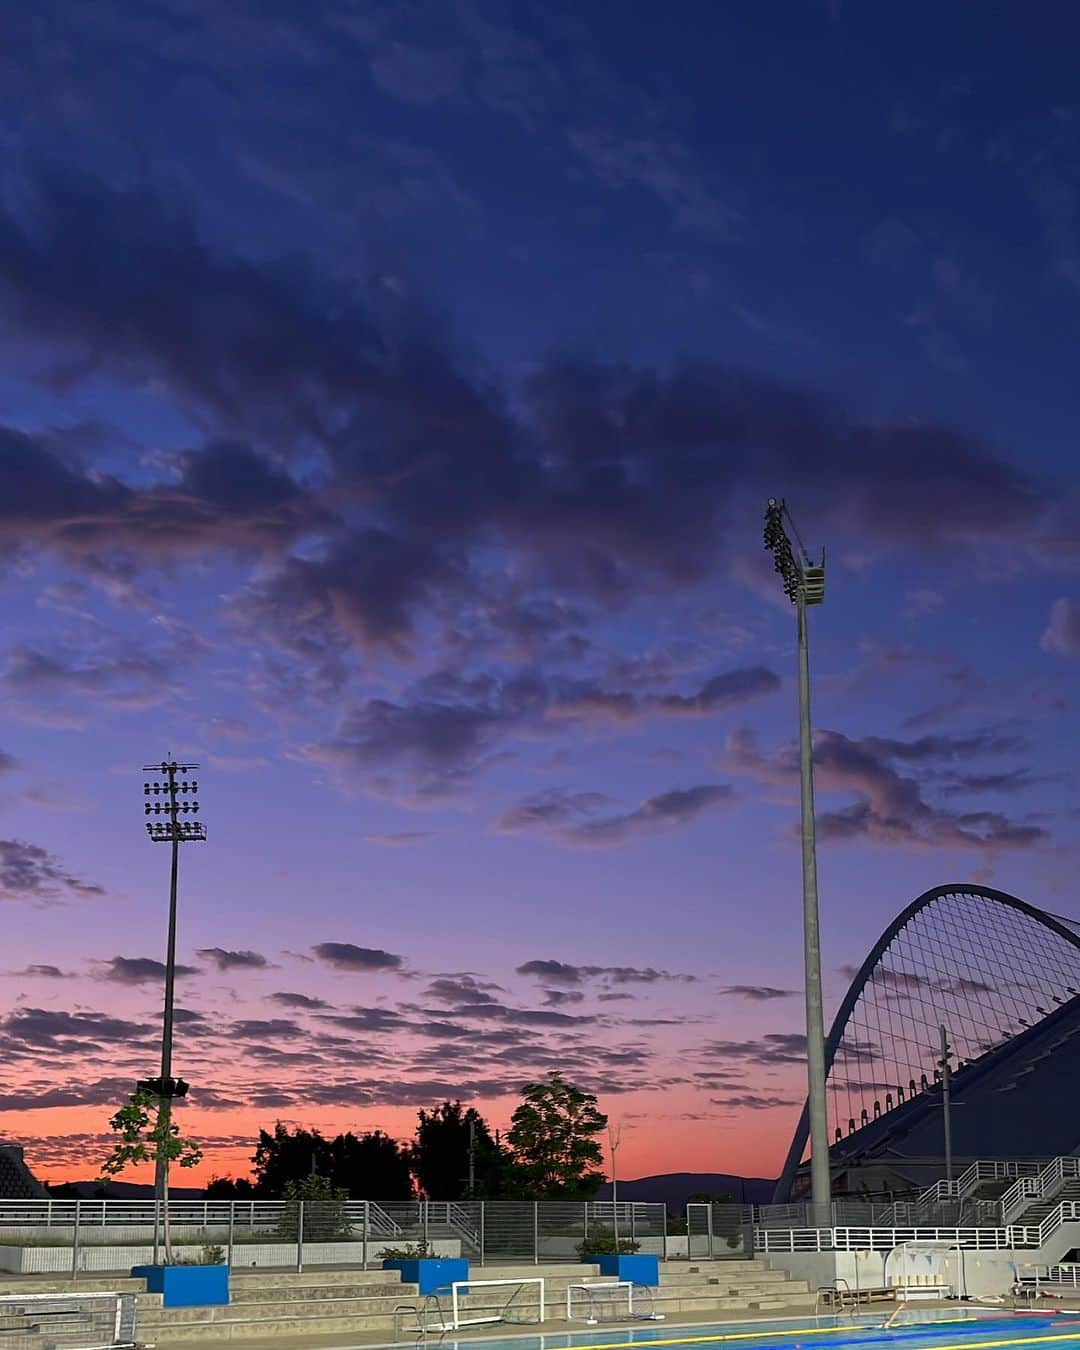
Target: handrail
point(1025, 1189)
point(885, 1238)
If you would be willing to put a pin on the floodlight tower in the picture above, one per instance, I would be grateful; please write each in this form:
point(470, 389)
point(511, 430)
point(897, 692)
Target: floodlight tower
point(171, 797)
point(804, 585)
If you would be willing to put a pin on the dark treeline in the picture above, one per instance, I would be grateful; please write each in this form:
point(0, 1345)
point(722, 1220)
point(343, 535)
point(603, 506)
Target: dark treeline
point(551, 1150)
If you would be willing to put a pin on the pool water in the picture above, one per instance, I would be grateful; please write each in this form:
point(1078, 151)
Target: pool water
point(917, 1329)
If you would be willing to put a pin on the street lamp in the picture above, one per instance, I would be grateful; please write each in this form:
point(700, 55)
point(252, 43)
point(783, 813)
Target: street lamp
point(614, 1135)
point(945, 1065)
point(169, 797)
point(804, 585)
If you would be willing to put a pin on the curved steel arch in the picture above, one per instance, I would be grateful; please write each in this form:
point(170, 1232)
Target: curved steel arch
point(865, 973)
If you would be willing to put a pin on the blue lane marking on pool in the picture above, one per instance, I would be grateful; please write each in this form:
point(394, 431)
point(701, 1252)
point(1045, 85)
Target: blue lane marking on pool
point(949, 1329)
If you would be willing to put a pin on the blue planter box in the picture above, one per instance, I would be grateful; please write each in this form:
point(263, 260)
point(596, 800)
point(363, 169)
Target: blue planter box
point(430, 1273)
point(186, 1286)
point(640, 1269)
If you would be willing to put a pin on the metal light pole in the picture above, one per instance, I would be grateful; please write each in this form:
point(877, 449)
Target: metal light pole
point(804, 585)
point(946, 1100)
point(169, 798)
point(614, 1135)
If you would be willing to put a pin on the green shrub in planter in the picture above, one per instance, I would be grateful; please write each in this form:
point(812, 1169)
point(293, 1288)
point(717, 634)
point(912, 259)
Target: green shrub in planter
point(412, 1251)
point(601, 1242)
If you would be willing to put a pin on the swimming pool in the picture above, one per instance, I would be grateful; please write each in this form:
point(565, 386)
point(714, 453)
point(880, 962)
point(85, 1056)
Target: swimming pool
point(920, 1329)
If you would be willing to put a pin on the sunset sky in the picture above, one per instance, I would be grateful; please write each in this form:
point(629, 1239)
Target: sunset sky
point(389, 400)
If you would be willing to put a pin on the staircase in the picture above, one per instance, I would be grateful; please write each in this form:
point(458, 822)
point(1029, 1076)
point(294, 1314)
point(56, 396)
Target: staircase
point(61, 1322)
point(1039, 1207)
point(337, 1307)
point(726, 1286)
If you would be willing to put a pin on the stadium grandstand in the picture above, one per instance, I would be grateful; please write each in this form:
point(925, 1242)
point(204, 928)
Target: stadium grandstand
point(1003, 978)
point(17, 1182)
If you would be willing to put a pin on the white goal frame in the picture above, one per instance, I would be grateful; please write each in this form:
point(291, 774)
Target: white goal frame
point(71, 1300)
point(595, 1291)
point(467, 1285)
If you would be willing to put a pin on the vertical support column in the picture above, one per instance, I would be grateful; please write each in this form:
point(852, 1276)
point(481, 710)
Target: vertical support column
point(232, 1229)
point(815, 1017)
point(482, 1233)
point(708, 1211)
point(367, 1231)
point(157, 1229)
point(299, 1236)
point(75, 1241)
point(536, 1232)
point(633, 1222)
point(424, 1205)
point(946, 1102)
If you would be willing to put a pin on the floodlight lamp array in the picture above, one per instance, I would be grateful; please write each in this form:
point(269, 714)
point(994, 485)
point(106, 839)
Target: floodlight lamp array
point(183, 831)
point(779, 545)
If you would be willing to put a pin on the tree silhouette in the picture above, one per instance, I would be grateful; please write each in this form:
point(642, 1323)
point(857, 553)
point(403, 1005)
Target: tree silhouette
point(553, 1134)
point(229, 1188)
point(282, 1157)
point(439, 1155)
point(370, 1166)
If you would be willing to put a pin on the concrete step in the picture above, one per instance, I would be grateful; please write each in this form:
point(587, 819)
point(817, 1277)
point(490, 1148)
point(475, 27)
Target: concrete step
point(790, 1301)
point(766, 1288)
point(315, 1289)
point(61, 1284)
point(153, 1313)
point(324, 1275)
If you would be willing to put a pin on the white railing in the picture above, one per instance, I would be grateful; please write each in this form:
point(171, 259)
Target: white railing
point(204, 1214)
point(1064, 1274)
point(1011, 1237)
point(973, 1175)
point(1040, 1187)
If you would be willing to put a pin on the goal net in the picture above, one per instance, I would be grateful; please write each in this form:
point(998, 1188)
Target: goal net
point(99, 1321)
point(480, 1302)
point(611, 1301)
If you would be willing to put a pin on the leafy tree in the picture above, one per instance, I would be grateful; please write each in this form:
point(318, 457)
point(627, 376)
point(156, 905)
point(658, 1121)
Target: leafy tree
point(439, 1156)
point(324, 1210)
point(603, 1242)
point(148, 1133)
point(553, 1134)
point(710, 1198)
point(282, 1157)
point(370, 1166)
point(229, 1188)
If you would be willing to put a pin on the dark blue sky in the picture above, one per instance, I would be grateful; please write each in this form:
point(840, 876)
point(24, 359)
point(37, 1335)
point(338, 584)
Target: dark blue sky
point(390, 397)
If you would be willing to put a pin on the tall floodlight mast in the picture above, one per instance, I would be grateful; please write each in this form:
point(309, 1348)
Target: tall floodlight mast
point(804, 585)
point(171, 796)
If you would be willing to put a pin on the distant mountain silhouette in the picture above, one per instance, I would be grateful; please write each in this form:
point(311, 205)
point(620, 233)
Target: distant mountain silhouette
point(124, 1190)
point(675, 1188)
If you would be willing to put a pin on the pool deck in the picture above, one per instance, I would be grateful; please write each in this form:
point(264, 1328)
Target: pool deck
point(619, 1332)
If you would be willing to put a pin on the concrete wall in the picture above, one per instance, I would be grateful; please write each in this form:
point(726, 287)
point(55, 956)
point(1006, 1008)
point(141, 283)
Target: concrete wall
point(971, 1273)
point(57, 1260)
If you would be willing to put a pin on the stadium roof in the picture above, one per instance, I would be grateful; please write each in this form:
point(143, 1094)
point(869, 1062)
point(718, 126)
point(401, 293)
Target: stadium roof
point(1004, 978)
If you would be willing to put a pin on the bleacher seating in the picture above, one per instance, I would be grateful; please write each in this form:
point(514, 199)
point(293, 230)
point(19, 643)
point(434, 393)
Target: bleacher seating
point(1021, 1100)
point(17, 1182)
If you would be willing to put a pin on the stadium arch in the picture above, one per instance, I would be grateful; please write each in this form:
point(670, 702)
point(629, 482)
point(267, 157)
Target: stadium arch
point(993, 968)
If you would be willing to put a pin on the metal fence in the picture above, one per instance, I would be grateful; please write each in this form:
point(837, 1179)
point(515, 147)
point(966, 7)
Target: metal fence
point(923, 1213)
point(719, 1232)
point(76, 1236)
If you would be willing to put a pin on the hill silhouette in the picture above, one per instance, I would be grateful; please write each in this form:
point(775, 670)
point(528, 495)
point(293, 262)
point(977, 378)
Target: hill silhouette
point(675, 1188)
